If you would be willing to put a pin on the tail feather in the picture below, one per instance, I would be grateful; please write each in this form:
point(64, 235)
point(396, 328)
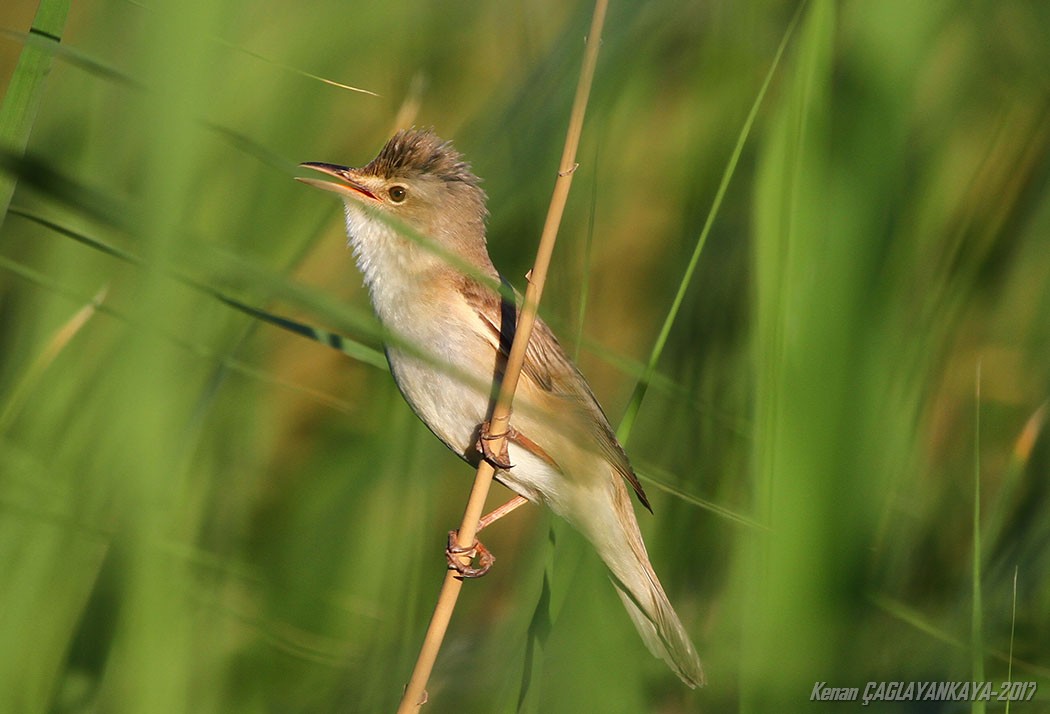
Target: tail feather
point(663, 634)
point(616, 537)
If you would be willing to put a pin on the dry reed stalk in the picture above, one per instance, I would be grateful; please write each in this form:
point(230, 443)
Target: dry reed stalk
point(415, 692)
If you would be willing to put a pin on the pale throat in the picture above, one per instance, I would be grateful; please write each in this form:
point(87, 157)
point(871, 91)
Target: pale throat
point(396, 271)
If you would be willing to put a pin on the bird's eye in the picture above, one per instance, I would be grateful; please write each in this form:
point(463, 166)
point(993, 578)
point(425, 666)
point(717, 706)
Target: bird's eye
point(397, 193)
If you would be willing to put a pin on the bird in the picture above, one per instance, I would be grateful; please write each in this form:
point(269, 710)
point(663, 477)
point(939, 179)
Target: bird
point(416, 223)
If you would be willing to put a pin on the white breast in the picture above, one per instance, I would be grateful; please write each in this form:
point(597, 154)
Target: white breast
point(442, 364)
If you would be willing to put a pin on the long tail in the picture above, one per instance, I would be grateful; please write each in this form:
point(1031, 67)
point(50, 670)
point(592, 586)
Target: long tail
point(615, 535)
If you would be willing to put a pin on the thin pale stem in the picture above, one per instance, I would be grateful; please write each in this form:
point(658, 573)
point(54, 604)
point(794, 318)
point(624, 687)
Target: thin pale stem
point(415, 693)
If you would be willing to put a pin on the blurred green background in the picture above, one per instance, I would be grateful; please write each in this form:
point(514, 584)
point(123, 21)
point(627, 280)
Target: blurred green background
point(200, 512)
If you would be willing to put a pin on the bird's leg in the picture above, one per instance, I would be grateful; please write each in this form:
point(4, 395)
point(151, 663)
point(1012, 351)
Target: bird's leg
point(500, 460)
point(496, 513)
point(455, 551)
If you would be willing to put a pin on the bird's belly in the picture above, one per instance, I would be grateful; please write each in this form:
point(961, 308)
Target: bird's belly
point(450, 390)
point(454, 411)
point(451, 401)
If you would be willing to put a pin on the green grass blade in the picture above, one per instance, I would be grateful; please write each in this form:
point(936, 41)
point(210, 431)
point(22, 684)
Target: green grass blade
point(1013, 630)
point(585, 272)
point(922, 623)
point(19, 108)
point(623, 431)
point(795, 437)
point(661, 480)
point(347, 346)
point(195, 348)
point(976, 605)
point(72, 56)
point(58, 342)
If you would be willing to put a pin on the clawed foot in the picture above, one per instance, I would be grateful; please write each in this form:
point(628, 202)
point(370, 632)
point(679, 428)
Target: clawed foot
point(501, 459)
point(455, 551)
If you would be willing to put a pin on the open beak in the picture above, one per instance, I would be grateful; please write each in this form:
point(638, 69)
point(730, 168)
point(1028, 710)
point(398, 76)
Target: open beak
point(346, 183)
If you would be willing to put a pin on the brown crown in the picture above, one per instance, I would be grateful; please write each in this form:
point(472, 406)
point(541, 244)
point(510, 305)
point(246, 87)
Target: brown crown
point(413, 151)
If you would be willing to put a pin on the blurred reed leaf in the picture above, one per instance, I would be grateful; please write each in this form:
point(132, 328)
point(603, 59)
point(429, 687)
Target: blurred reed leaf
point(623, 431)
point(195, 348)
point(976, 589)
point(22, 99)
point(35, 370)
point(46, 43)
point(349, 347)
point(921, 622)
point(650, 474)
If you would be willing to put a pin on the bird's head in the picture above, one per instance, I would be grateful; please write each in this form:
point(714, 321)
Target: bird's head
point(416, 179)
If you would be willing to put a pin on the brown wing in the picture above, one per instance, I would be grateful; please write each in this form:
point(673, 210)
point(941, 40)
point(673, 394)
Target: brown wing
point(551, 371)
